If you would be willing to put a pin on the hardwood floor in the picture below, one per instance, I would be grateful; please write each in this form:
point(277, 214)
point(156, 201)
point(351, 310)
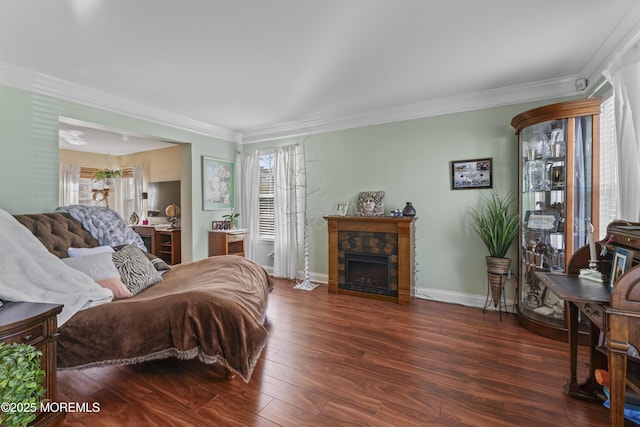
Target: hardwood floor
point(335, 360)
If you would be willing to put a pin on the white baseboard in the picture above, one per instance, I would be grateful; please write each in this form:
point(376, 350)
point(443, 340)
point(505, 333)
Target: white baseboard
point(438, 295)
point(470, 300)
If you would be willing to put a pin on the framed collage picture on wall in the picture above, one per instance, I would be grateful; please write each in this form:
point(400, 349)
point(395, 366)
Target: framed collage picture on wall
point(217, 184)
point(471, 174)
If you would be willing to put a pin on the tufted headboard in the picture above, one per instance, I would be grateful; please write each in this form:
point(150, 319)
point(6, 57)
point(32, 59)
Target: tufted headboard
point(58, 232)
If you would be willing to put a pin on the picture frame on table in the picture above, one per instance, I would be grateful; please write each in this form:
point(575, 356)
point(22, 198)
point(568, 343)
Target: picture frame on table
point(622, 259)
point(341, 208)
point(220, 225)
point(217, 184)
point(471, 174)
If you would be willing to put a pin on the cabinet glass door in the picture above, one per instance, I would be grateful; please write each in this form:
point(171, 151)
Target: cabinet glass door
point(543, 213)
point(555, 207)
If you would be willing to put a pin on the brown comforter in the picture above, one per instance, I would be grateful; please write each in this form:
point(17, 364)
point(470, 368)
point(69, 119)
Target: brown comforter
point(212, 309)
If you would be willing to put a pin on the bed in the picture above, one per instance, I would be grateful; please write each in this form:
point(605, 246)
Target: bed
point(212, 309)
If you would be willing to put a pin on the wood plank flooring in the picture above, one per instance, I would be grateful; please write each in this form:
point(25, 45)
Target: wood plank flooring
point(336, 360)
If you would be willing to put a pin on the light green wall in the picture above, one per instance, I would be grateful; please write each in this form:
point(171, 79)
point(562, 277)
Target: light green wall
point(29, 161)
point(409, 160)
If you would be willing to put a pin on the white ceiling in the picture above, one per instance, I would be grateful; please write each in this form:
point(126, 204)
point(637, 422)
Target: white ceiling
point(248, 70)
point(103, 140)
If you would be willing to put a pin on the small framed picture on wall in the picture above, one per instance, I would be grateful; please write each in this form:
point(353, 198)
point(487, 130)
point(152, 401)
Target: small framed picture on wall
point(470, 174)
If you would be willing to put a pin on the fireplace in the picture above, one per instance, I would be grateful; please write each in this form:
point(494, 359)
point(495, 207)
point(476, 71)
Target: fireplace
point(368, 273)
point(381, 257)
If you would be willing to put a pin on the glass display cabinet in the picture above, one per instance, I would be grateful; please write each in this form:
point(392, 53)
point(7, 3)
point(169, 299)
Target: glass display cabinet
point(558, 202)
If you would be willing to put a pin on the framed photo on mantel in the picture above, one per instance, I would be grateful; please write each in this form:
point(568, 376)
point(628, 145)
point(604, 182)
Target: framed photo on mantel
point(471, 174)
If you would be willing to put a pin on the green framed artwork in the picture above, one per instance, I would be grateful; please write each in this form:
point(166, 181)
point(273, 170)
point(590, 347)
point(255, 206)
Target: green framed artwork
point(217, 184)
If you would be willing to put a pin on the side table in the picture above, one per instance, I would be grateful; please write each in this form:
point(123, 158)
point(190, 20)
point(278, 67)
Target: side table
point(35, 324)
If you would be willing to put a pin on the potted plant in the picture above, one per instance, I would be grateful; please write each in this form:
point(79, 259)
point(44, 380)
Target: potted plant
point(232, 219)
point(497, 226)
point(21, 383)
point(107, 174)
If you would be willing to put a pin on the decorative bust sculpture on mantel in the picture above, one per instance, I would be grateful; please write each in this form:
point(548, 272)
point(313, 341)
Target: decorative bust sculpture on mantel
point(370, 203)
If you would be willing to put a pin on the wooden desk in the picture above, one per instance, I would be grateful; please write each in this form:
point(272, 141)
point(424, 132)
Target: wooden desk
point(592, 299)
point(168, 245)
point(148, 235)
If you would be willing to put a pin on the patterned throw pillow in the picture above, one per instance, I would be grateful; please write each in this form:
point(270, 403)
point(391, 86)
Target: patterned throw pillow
point(136, 271)
point(157, 262)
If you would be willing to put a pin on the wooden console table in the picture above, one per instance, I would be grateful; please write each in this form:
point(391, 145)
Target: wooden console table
point(403, 231)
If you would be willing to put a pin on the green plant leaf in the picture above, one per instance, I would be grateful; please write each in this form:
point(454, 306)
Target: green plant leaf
point(22, 380)
point(495, 224)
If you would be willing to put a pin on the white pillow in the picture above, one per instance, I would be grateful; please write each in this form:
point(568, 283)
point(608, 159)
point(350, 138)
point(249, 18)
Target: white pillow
point(102, 269)
point(90, 251)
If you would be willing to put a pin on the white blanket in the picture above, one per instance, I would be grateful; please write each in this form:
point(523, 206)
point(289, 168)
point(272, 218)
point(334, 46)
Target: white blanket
point(29, 272)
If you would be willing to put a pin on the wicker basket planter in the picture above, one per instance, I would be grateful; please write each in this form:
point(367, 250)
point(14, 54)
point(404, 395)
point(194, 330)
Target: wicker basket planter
point(497, 271)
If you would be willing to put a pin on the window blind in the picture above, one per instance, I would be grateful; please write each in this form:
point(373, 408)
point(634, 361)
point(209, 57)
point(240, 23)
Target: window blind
point(608, 166)
point(266, 214)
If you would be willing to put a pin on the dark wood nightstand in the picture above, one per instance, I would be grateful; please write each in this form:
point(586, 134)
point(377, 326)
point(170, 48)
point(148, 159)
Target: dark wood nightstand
point(37, 325)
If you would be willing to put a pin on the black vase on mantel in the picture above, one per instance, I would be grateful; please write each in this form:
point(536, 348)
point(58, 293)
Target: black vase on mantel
point(409, 210)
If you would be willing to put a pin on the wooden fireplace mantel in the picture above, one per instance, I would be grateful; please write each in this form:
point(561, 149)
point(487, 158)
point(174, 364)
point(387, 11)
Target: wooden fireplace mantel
point(402, 227)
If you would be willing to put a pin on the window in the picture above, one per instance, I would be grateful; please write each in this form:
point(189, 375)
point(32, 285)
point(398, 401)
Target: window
point(608, 166)
point(266, 226)
point(87, 184)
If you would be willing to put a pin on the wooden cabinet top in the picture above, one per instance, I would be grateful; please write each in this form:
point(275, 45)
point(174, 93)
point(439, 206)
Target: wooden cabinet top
point(370, 218)
point(561, 110)
point(16, 314)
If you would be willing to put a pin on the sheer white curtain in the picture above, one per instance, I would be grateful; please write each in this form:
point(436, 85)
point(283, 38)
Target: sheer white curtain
point(69, 186)
point(117, 196)
point(285, 246)
point(624, 75)
point(138, 174)
point(251, 201)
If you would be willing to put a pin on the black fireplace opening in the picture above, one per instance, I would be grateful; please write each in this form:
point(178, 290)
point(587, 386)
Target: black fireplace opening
point(369, 273)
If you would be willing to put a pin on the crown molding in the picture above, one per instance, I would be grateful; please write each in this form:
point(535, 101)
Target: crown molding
point(23, 78)
point(47, 85)
point(624, 36)
point(535, 91)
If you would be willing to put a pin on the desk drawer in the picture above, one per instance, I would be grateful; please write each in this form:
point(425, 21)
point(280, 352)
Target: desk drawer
point(235, 237)
point(29, 336)
point(596, 314)
point(628, 239)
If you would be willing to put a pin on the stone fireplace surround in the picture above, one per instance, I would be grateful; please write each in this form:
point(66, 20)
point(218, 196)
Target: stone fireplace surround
point(390, 236)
